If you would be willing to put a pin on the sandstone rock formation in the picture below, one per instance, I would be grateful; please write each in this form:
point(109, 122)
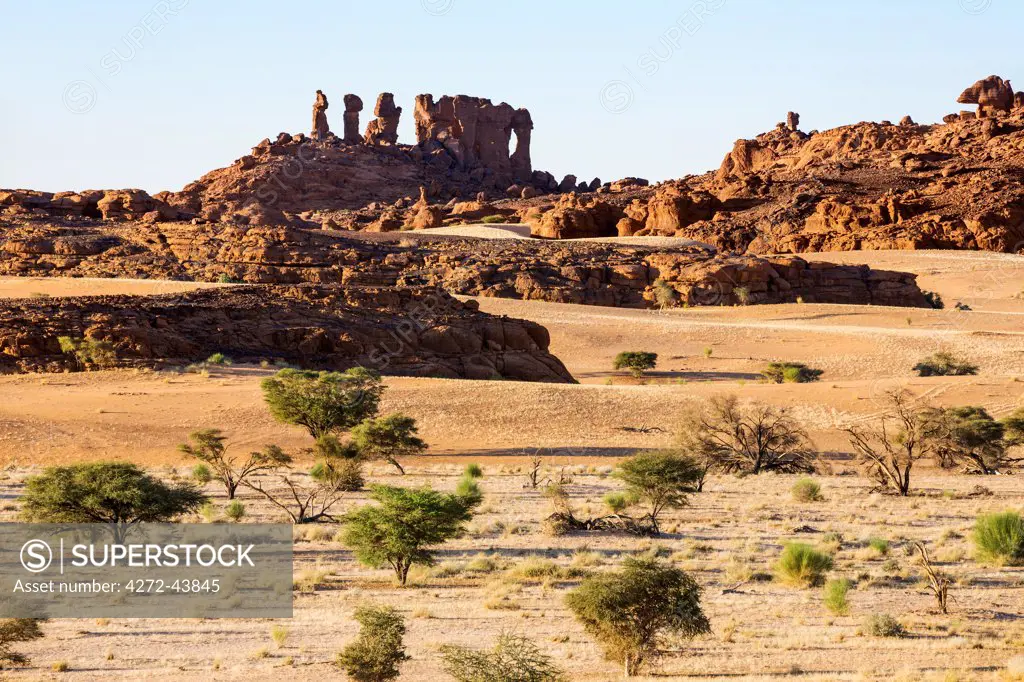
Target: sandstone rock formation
point(422, 215)
point(408, 331)
point(793, 121)
point(384, 129)
point(993, 96)
point(568, 272)
point(575, 218)
point(353, 105)
point(476, 133)
point(321, 129)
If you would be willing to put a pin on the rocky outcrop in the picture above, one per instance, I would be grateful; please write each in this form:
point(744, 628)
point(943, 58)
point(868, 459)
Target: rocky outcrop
point(384, 129)
point(574, 217)
point(353, 105)
point(476, 133)
point(672, 208)
point(422, 215)
point(569, 272)
point(113, 205)
point(408, 331)
point(993, 95)
point(321, 129)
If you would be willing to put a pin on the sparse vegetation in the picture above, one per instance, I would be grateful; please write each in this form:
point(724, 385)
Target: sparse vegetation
point(324, 403)
point(106, 492)
point(662, 480)
point(636, 362)
point(388, 438)
point(933, 299)
point(304, 503)
point(944, 364)
point(664, 295)
point(15, 631)
point(969, 438)
point(889, 451)
point(209, 446)
point(88, 353)
point(807, 490)
point(378, 652)
point(790, 373)
point(513, 658)
point(802, 565)
point(400, 530)
point(836, 600)
point(493, 219)
point(234, 510)
point(999, 539)
point(747, 439)
point(883, 625)
point(635, 611)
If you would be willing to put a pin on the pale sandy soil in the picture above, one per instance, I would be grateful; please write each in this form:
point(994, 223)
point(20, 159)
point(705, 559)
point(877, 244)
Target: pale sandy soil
point(762, 631)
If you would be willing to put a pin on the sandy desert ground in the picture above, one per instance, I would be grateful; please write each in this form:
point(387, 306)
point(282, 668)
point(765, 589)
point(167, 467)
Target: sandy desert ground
point(731, 532)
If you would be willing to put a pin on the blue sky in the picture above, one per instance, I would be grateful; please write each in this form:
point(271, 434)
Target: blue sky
point(152, 94)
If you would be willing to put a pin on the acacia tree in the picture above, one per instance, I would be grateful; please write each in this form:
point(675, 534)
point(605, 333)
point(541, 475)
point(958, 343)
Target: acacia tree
point(323, 402)
point(378, 652)
point(305, 503)
point(513, 658)
point(388, 438)
point(968, 437)
point(747, 439)
point(209, 446)
point(637, 362)
point(404, 524)
point(14, 631)
point(662, 479)
point(115, 493)
point(899, 440)
point(632, 611)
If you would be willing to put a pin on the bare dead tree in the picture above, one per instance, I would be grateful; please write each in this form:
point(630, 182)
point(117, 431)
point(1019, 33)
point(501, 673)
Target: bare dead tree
point(746, 438)
point(890, 450)
point(304, 504)
point(938, 583)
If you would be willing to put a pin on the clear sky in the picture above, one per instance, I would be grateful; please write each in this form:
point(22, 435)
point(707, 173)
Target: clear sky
point(152, 94)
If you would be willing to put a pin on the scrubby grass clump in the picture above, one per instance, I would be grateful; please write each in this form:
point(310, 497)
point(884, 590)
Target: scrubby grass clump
point(836, 600)
point(493, 219)
point(790, 373)
point(807, 490)
point(883, 625)
point(944, 364)
point(802, 565)
point(999, 539)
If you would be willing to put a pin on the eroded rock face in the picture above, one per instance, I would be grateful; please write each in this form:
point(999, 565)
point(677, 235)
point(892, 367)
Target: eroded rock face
point(353, 105)
point(321, 128)
point(384, 129)
point(993, 96)
point(422, 215)
point(574, 217)
point(407, 331)
point(672, 208)
point(476, 133)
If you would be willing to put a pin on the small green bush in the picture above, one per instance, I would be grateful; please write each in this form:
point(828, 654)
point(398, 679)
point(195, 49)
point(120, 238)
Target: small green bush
point(473, 471)
point(218, 359)
point(637, 362)
point(790, 373)
point(664, 295)
point(943, 364)
point(802, 565)
point(883, 625)
point(618, 501)
point(999, 539)
point(234, 511)
point(493, 219)
point(807, 490)
point(378, 652)
point(201, 474)
point(835, 596)
point(934, 300)
point(880, 545)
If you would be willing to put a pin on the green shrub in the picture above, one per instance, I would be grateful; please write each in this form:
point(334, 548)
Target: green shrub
point(637, 362)
point(662, 480)
point(944, 364)
point(802, 565)
point(835, 596)
point(632, 612)
point(201, 474)
point(807, 490)
point(999, 539)
point(664, 295)
point(493, 219)
point(618, 502)
point(880, 545)
point(883, 625)
point(218, 359)
point(473, 471)
point(235, 510)
point(15, 631)
point(513, 658)
point(790, 373)
point(88, 352)
point(934, 300)
point(378, 652)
